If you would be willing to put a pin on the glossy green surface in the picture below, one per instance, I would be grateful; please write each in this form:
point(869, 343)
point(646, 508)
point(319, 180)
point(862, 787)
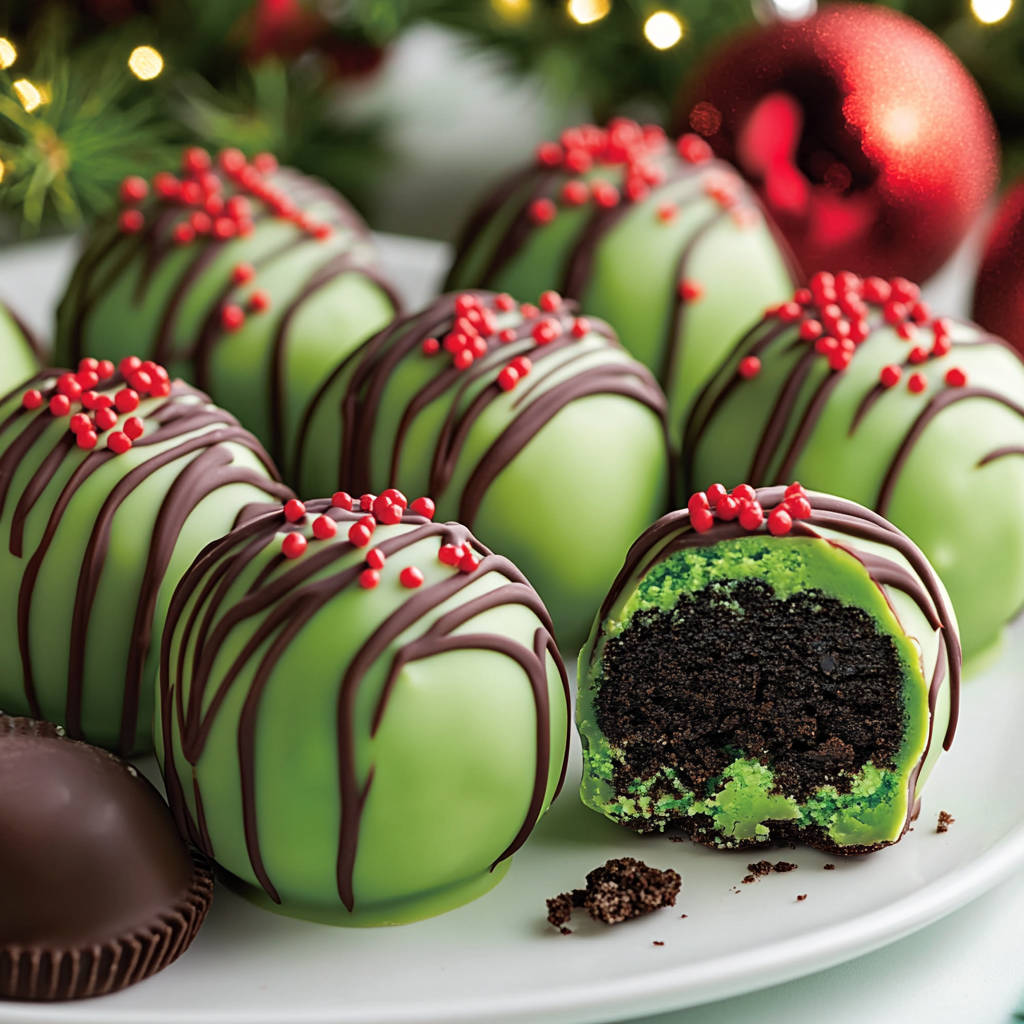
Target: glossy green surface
point(452, 762)
point(962, 514)
point(746, 801)
point(637, 266)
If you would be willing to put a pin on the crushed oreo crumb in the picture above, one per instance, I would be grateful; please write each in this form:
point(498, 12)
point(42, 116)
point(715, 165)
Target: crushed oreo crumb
point(747, 879)
point(783, 866)
point(800, 899)
point(945, 820)
point(684, 915)
point(622, 889)
point(829, 867)
point(762, 867)
point(765, 867)
point(657, 943)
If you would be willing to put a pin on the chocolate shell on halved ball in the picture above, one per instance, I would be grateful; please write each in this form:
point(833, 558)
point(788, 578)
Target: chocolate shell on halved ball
point(362, 713)
point(855, 387)
point(667, 244)
point(248, 280)
point(529, 424)
point(99, 890)
point(111, 482)
point(770, 664)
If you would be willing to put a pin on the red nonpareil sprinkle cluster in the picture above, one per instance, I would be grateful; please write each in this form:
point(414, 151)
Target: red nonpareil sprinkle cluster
point(833, 313)
point(741, 504)
point(98, 409)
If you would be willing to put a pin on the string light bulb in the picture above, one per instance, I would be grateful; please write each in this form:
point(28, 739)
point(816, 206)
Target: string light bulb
point(586, 12)
point(1, 170)
point(145, 63)
point(8, 54)
point(988, 12)
point(29, 95)
point(512, 11)
point(663, 30)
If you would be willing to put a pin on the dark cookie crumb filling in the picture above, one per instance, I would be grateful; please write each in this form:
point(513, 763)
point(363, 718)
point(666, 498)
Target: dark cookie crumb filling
point(807, 685)
point(622, 889)
point(945, 820)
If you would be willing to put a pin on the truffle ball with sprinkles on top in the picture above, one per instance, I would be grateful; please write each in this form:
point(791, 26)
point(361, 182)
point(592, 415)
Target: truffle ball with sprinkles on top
point(361, 729)
point(528, 423)
point(112, 480)
point(248, 280)
point(862, 391)
point(667, 244)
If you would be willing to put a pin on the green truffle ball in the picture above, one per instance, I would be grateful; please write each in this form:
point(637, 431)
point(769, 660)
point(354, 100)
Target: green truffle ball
point(796, 679)
point(668, 245)
point(548, 442)
point(18, 354)
point(254, 303)
point(360, 731)
point(914, 417)
point(95, 540)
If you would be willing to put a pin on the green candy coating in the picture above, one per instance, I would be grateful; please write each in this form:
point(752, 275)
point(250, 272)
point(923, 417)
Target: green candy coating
point(359, 756)
point(958, 484)
point(142, 291)
point(696, 222)
point(836, 556)
point(94, 544)
point(559, 473)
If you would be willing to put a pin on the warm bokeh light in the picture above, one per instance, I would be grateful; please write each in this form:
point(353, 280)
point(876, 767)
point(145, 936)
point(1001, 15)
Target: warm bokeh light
point(663, 30)
point(902, 125)
point(513, 11)
point(8, 54)
point(585, 12)
point(1, 170)
point(145, 63)
point(990, 11)
point(29, 95)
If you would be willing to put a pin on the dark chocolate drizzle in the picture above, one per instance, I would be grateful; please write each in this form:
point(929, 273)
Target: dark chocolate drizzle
point(286, 596)
point(370, 368)
point(213, 468)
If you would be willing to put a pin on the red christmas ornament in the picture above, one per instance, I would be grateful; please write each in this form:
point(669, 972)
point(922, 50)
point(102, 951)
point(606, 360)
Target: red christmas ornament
point(869, 142)
point(999, 290)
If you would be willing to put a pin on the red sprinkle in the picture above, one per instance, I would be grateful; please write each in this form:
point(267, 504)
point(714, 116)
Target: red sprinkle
point(259, 301)
point(690, 290)
point(366, 501)
point(578, 161)
point(605, 194)
point(32, 399)
point(243, 272)
point(324, 527)
point(126, 400)
point(469, 562)
point(918, 354)
point(80, 422)
point(543, 211)
point(744, 492)
point(118, 442)
point(798, 507)
point(715, 494)
point(463, 360)
point(751, 515)
point(580, 327)
point(369, 578)
point(522, 365)
point(265, 163)
point(131, 221)
point(904, 290)
point(906, 330)
point(450, 554)
point(411, 577)
point(342, 499)
point(423, 507)
point(231, 160)
point(694, 149)
point(956, 377)
point(697, 500)
point(780, 522)
point(893, 312)
point(232, 317)
point(395, 496)
point(166, 185)
point(200, 222)
point(667, 212)
point(386, 512)
point(549, 154)
point(550, 301)
point(431, 346)
point(375, 558)
point(943, 346)
point(105, 369)
point(60, 405)
point(508, 378)
point(839, 359)
point(359, 534)
point(702, 520)
point(575, 193)
point(133, 189)
point(294, 510)
point(504, 302)
point(917, 383)
point(789, 312)
point(134, 427)
point(86, 439)
point(876, 290)
point(183, 233)
point(796, 490)
point(546, 331)
point(528, 310)
point(750, 366)
point(195, 160)
point(68, 385)
point(890, 375)
point(105, 419)
point(728, 508)
point(140, 381)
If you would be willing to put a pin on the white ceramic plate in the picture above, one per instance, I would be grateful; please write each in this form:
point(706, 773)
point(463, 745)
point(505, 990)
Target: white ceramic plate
point(497, 960)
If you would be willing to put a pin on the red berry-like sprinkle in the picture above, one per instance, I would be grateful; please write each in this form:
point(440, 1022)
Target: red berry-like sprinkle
point(859, 331)
point(906, 330)
point(528, 310)
point(803, 296)
point(450, 554)
point(105, 419)
point(183, 233)
point(839, 359)
point(507, 336)
point(32, 399)
point(463, 360)
point(133, 189)
point(294, 510)
point(546, 331)
point(744, 492)
point(728, 508)
point(455, 342)
point(129, 365)
point(508, 378)
point(190, 193)
point(690, 290)
point(265, 163)
point(369, 578)
point(826, 346)
point(342, 499)
point(366, 501)
point(293, 545)
point(126, 400)
point(131, 221)
point(751, 515)
point(798, 507)
point(259, 301)
point(214, 205)
point(119, 442)
point(88, 365)
point(697, 500)
point(242, 273)
point(694, 149)
point(395, 496)
point(549, 154)
point(201, 223)
point(796, 490)
point(166, 185)
point(324, 527)
point(789, 312)
point(917, 383)
point(918, 354)
point(904, 290)
point(469, 562)
point(702, 520)
point(465, 302)
point(88, 379)
point(86, 439)
point(386, 511)
point(667, 212)
point(160, 389)
point(750, 366)
point(575, 193)
point(423, 507)
point(238, 207)
point(943, 346)
point(877, 290)
point(104, 369)
point(605, 194)
point(67, 385)
point(780, 522)
point(890, 375)
point(580, 327)
point(232, 317)
point(195, 160)
point(478, 347)
point(550, 301)
point(223, 229)
point(715, 494)
point(431, 346)
point(411, 577)
point(141, 381)
point(231, 160)
point(942, 325)
point(359, 534)
point(920, 313)
point(80, 422)
point(810, 329)
point(90, 400)
point(134, 427)
point(577, 161)
point(894, 311)
point(504, 302)
point(60, 405)
point(543, 211)
point(956, 377)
